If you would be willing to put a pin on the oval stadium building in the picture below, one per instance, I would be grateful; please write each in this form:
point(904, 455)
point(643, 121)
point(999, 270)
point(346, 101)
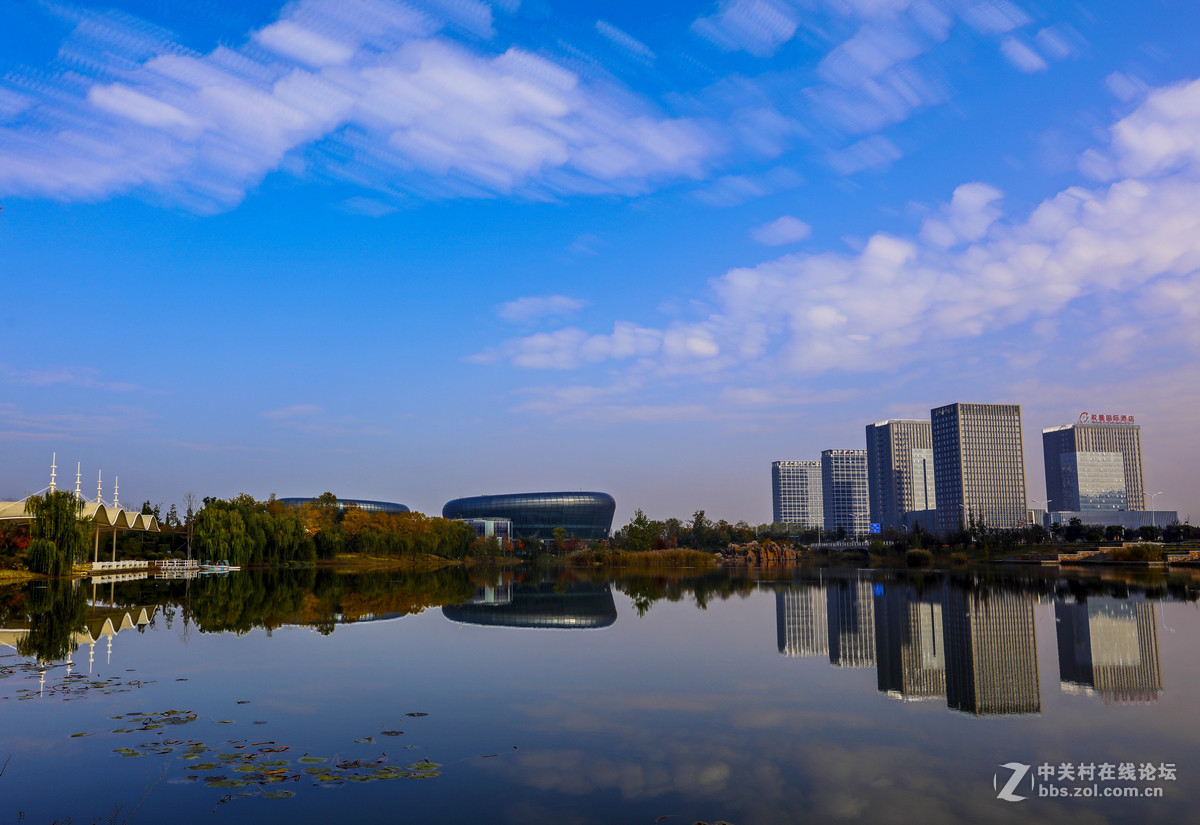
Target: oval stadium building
point(360, 503)
point(585, 516)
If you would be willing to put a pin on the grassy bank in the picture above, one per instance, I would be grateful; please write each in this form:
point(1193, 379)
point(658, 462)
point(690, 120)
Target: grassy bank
point(362, 561)
point(675, 557)
point(17, 576)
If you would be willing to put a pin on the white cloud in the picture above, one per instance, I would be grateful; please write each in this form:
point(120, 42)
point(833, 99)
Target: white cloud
point(369, 207)
point(992, 16)
point(1060, 41)
point(366, 88)
point(1124, 87)
point(1162, 135)
point(868, 153)
point(971, 212)
point(293, 411)
point(539, 306)
point(756, 26)
point(85, 377)
point(870, 52)
point(1021, 56)
point(290, 39)
point(880, 101)
point(734, 190)
point(784, 230)
point(627, 43)
point(969, 273)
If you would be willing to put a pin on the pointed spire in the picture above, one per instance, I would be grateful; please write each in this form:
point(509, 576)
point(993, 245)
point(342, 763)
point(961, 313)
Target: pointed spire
point(53, 467)
point(78, 477)
point(116, 491)
point(99, 473)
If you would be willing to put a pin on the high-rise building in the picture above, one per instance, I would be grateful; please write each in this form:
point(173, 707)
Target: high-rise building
point(991, 652)
point(979, 466)
point(802, 621)
point(796, 493)
point(844, 490)
point(1094, 466)
point(1109, 646)
point(899, 470)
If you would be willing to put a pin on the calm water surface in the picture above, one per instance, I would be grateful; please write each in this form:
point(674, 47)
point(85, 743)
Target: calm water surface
point(560, 697)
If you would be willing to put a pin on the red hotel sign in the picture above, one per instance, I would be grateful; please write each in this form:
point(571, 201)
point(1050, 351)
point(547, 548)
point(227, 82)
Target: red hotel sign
point(1096, 418)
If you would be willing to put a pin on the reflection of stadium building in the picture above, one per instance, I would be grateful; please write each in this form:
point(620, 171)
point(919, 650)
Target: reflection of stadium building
point(544, 605)
point(991, 652)
point(801, 622)
point(851, 616)
point(909, 647)
point(1109, 646)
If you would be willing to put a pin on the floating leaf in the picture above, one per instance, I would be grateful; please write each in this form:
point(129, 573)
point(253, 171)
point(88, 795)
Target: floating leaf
point(77, 735)
point(416, 714)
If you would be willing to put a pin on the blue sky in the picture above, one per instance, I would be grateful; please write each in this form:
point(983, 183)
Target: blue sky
point(415, 250)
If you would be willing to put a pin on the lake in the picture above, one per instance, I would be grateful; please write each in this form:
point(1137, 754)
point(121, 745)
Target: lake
point(555, 696)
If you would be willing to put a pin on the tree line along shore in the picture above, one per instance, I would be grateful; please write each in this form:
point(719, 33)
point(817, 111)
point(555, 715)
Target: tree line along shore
point(246, 531)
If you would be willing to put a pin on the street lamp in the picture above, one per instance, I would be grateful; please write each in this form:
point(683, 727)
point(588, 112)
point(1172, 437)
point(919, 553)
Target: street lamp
point(1153, 514)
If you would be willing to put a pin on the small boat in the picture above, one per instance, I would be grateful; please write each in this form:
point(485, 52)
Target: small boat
point(218, 567)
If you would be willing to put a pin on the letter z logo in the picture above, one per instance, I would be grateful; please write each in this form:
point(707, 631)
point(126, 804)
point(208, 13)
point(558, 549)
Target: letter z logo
point(1018, 773)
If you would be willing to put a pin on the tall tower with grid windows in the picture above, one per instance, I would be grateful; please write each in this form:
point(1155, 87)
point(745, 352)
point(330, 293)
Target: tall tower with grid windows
point(796, 493)
point(899, 470)
point(979, 466)
point(844, 490)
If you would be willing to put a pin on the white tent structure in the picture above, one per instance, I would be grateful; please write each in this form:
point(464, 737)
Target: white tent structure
point(104, 517)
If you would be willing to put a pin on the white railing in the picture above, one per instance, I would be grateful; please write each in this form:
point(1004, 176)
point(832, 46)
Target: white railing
point(129, 564)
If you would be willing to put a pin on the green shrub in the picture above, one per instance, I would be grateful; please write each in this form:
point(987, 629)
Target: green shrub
point(1138, 552)
point(918, 557)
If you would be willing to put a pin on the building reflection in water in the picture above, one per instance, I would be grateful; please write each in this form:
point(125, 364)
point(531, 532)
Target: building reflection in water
point(977, 649)
point(991, 652)
point(801, 622)
point(909, 645)
point(1110, 647)
point(850, 611)
point(546, 605)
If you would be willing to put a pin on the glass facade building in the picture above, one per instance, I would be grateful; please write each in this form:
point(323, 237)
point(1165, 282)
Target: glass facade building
point(585, 516)
point(899, 470)
point(1094, 467)
point(979, 466)
point(796, 493)
point(360, 503)
point(844, 490)
point(487, 528)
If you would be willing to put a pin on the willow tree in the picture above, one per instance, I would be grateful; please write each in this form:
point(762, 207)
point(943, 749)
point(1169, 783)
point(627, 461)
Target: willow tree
point(59, 534)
